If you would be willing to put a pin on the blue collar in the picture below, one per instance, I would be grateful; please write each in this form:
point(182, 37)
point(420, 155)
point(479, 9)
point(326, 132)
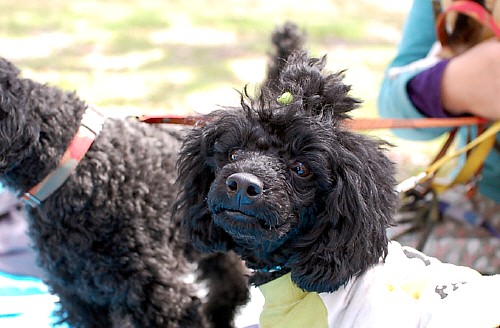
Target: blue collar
point(269, 270)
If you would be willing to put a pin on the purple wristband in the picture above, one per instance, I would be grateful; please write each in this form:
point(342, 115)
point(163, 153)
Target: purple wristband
point(424, 90)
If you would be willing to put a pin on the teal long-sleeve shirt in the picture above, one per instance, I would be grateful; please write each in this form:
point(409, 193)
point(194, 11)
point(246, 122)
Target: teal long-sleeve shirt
point(418, 39)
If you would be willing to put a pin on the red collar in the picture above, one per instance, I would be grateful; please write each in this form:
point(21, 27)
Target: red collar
point(90, 126)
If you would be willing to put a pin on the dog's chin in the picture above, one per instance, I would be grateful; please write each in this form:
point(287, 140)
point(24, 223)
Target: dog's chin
point(246, 228)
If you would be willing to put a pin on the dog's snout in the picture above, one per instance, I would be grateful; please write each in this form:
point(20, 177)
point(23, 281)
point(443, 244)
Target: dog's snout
point(244, 186)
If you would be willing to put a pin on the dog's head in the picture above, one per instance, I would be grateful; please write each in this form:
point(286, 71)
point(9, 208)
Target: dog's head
point(15, 133)
point(37, 123)
point(284, 184)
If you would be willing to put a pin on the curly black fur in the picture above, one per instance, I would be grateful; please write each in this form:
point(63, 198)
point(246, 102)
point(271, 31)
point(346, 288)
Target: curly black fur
point(111, 248)
point(287, 186)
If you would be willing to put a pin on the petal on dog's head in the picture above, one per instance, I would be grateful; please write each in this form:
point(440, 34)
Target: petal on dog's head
point(286, 98)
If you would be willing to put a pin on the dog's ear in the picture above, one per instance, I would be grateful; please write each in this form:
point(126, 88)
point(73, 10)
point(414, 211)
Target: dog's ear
point(349, 233)
point(196, 171)
point(313, 91)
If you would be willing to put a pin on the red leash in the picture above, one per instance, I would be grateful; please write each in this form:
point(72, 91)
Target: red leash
point(417, 123)
point(354, 124)
point(169, 119)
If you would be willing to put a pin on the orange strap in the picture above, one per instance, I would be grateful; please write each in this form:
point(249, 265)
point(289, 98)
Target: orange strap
point(354, 124)
point(418, 123)
point(169, 119)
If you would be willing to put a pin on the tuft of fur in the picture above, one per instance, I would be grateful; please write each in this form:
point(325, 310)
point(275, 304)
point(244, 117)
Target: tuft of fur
point(111, 249)
point(287, 186)
point(285, 39)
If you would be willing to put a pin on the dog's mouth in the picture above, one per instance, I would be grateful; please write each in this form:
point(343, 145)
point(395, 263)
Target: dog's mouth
point(243, 225)
point(239, 216)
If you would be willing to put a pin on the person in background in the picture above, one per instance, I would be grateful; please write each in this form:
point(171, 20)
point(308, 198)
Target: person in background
point(16, 255)
point(419, 83)
point(25, 301)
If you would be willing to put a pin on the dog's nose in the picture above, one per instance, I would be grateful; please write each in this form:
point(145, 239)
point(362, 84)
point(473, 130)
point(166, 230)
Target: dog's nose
point(244, 186)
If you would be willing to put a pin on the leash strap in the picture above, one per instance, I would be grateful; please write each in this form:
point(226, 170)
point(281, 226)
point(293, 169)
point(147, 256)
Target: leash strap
point(90, 126)
point(479, 147)
point(169, 119)
point(418, 123)
point(354, 124)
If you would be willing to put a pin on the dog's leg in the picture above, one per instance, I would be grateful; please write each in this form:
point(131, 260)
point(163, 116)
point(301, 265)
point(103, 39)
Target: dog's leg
point(228, 287)
point(160, 304)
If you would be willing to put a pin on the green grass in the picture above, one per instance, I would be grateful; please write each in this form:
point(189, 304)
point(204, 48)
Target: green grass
point(203, 37)
point(144, 56)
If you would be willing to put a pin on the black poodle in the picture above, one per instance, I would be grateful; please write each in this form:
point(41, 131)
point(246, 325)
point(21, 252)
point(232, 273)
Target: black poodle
point(284, 184)
point(305, 202)
point(111, 249)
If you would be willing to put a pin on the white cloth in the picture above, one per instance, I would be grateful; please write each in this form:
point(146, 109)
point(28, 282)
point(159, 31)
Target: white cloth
point(409, 289)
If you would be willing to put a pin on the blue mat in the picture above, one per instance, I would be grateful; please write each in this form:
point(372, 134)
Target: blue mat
point(26, 302)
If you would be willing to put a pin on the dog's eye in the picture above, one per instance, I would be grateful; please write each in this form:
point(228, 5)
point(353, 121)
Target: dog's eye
point(234, 154)
point(300, 169)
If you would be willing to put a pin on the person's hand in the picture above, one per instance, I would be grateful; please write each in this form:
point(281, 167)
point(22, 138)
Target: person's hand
point(471, 82)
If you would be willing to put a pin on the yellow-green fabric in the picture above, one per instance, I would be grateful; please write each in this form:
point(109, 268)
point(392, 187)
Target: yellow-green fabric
point(289, 306)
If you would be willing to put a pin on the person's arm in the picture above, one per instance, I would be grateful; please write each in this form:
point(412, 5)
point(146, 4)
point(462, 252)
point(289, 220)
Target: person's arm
point(468, 84)
point(418, 37)
point(471, 82)
point(465, 85)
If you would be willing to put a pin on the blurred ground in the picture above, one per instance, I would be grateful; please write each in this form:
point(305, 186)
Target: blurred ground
point(146, 56)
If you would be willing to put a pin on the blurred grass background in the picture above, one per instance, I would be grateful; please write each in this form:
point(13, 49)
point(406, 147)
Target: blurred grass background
point(147, 56)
